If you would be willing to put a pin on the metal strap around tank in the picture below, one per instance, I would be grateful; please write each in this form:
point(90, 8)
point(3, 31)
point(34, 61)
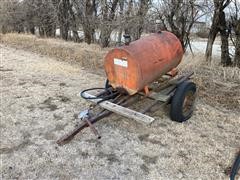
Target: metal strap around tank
point(126, 112)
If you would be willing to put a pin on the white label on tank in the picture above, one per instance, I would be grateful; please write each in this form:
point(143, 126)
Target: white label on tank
point(120, 62)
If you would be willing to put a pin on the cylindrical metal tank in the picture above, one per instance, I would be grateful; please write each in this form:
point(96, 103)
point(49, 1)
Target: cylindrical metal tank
point(134, 66)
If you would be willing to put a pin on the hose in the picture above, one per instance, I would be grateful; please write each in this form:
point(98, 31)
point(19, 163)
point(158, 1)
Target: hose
point(111, 94)
point(90, 89)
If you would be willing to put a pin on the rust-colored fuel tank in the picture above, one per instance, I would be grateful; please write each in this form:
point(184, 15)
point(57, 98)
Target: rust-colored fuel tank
point(134, 66)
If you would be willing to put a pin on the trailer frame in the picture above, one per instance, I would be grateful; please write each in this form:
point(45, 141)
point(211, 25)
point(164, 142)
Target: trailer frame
point(119, 104)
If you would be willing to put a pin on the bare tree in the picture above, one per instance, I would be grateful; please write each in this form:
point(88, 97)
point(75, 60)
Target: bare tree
point(108, 12)
point(12, 16)
point(219, 24)
point(235, 24)
point(121, 16)
point(135, 17)
point(138, 19)
point(237, 47)
point(30, 16)
point(62, 10)
point(129, 17)
point(86, 11)
point(45, 18)
point(179, 17)
point(27, 15)
point(141, 14)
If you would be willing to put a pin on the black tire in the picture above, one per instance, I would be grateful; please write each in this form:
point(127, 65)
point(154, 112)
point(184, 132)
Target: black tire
point(235, 167)
point(182, 104)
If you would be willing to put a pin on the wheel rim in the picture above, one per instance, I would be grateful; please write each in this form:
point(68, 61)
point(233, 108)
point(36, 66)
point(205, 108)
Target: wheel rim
point(188, 103)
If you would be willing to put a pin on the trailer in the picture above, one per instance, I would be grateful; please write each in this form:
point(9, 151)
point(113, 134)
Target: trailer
point(142, 69)
point(179, 91)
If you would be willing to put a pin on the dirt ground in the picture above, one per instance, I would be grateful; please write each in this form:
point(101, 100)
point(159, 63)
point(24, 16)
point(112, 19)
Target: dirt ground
point(39, 103)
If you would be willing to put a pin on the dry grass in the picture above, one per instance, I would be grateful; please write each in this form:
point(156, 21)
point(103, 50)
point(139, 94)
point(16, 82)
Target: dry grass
point(217, 85)
point(211, 70)
point(90, 56)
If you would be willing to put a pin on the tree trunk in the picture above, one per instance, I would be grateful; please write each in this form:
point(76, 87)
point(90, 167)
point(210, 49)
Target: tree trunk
point(86, 17)
point(119, 37)
point(237, 48)
point(88, 26)
point(225, 58)
point(127, 26)
point(107, 26)
point(219, 25)
point(88, 33)
point(212, 36)
point(4, 29)
point(119, 40)
point(74, 25)
point(64, 31)
point(41, 31)
point(63, 18)
point(32, 30)
point(143, 9)
point(50, 29)
point(105, 37)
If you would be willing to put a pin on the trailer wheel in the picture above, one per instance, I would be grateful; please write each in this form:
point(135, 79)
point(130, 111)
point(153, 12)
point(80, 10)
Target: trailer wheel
point(182, 104)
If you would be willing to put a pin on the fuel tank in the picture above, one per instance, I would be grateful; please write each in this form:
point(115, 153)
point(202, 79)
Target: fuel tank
point(134, 66)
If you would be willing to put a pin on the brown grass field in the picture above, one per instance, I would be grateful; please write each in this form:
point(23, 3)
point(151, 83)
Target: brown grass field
point(40, 82)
